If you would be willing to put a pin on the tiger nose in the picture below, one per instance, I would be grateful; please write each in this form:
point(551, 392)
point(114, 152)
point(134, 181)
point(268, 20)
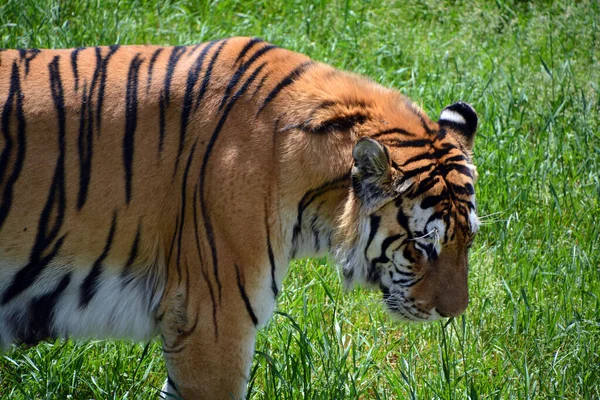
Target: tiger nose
point(452, 304)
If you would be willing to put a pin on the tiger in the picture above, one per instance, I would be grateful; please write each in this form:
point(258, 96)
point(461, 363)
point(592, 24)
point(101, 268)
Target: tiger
point(163, 191)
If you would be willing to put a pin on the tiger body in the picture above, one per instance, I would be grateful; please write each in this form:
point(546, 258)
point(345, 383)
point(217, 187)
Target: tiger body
point(163, 191)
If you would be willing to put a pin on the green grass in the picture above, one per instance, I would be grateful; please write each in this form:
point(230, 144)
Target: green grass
point(532, 330)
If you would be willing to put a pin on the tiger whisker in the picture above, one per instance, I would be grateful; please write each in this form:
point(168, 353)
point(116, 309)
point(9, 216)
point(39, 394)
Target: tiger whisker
point(482, 217)
point(433, 232)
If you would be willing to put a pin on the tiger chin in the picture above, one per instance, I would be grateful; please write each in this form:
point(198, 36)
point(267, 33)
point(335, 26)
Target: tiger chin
point(162, 191)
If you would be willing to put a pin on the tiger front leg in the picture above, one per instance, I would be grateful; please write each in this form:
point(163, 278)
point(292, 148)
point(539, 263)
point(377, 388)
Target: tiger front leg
point(204, 360)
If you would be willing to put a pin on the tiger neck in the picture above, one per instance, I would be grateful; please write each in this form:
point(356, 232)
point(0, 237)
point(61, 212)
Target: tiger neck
point(313, 188)
point(312, 232)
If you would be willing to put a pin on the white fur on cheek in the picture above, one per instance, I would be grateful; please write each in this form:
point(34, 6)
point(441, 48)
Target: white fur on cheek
point(474, 220)
point(420, 217)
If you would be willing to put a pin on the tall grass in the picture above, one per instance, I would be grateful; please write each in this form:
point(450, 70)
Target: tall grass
point(532, 330)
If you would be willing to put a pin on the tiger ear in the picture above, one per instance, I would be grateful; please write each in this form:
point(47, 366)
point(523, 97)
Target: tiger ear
point(371, 173)
point(460, 118)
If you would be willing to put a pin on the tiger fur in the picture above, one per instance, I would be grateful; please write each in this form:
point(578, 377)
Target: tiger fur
point(150, 190)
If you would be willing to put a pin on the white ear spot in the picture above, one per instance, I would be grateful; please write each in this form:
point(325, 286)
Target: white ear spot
point(452, 116)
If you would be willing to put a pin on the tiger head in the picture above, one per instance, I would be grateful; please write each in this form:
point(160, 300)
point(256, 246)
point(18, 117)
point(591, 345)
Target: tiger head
point(410, 218)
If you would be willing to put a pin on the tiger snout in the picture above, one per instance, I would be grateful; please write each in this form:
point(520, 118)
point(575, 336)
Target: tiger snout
point(444, 288)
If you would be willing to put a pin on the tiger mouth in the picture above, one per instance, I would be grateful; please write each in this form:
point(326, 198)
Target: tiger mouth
point(399, 306)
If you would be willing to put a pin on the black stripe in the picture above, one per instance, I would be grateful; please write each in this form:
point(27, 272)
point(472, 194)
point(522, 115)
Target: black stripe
point(449, 146)
point(193, 49)
point(383, 258)
point(59, 175)
point(274, 287)
point(208, 74)
point(406, 253)
point(407, 143)
point(308, 198)
point(86, 124)
point(334, 124)
point(445, 169)
point(54, 207)
point(403, 219)
point(90, 283)
point(133, 253)
point(239, 73)
point(419, 157)
point(170, 253)
point(247, 47)
point(183, 207)
point(288, 80)
point(464, 212)
point(396, 267)
point(315, 231)
point(436, 215)
point(102, 85)
point(165, 95)
point(442, 132)
point(85, 142)
point(28, 274)
point(260, 85)
point(392, 130)
point(373, 228)
point(74, 55)
point(245, 296)
point(416, 171)
point(466, 190)
point(202, 264)
point(41, 312)
point(193, 75)
point(469, 204)
point(131, 100)
point(469, 189)
point(408, 282)
point(174, 58)
point(15, 96)
point(313, 194)
point(213, 139)
point(151, 67)
point(428, 248)
point(424, 123)
point(161, 122)
point(456, 158)
point(444, 151)
point(28, 55)
point(172, 384)
point(432, 201)
point(446, 219)
point(424, 186)
point(395, 165)
point(324, 105)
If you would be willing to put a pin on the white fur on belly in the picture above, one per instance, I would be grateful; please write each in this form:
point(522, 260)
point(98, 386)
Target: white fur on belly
point(116, 310)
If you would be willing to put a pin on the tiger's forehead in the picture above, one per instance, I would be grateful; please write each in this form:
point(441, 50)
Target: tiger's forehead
point(435, 211)
point(419, 153)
